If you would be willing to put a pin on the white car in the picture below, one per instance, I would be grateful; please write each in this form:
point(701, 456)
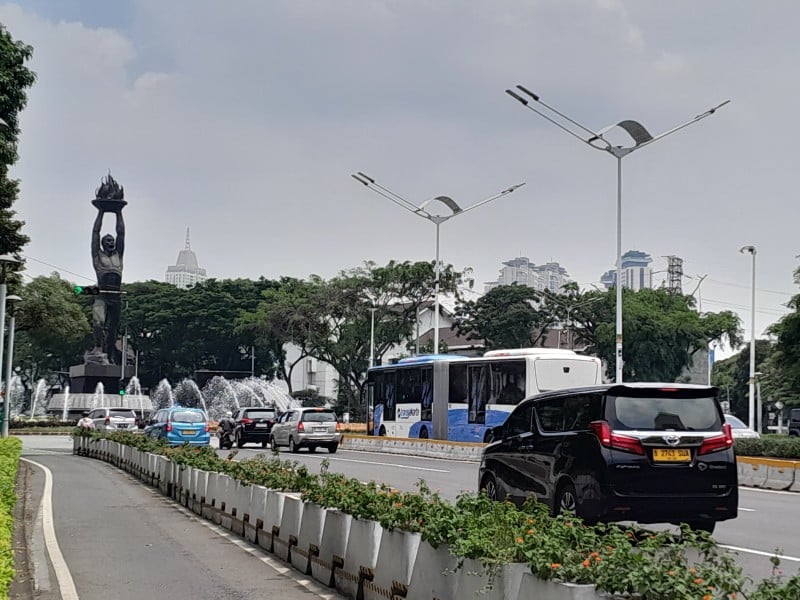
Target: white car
point(739, 429)
point(114, 419)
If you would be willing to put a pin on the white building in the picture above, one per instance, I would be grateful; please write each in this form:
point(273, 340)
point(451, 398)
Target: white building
point(185, 272)
point(521, 271)
point(636, 272)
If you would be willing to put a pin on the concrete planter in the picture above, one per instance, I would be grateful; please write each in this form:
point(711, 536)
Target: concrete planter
point(199, 487)
point(254, 527)
point(332, 547)
point(433, 574)
point(538, 589)
point(240, 502)
point(289, 528)
point(498, 582)
point(360, 557)
point(225, 486)
point(164, 475)
point(210, 505)
point(309, 536)
point(396, 556)
point(184, 485)
point(273, 511)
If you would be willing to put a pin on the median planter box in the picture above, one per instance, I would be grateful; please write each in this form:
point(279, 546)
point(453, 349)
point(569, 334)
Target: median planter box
point(332, 547)
point(496, 582)
point(254, 525)
point(210, 504)
point(433, 575)
point(533, 587)
point(360, 557)
point(240, 500)
point(309, 536)
point(396, 556)
point(225, 486)
point(289, 527)
point(273, 511)
point(198, 491)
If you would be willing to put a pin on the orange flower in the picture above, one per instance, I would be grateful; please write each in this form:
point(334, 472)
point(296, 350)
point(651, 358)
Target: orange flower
point(586, 563)
point(555, 566)
point(530, 531)
point(698, 581)
point(692, 570)
point(670, 572)
point(520, 540)
point(708, 597)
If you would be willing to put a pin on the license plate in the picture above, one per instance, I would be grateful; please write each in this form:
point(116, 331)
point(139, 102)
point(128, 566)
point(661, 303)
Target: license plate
point(672, 455)
point(261, 425)
point(320, 429)
point(189, 432)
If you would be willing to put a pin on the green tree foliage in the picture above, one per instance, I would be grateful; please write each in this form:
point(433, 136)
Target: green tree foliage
point(787, 348)
point(661, 333)
point(179, 331)
point(51, 326)
point(15, 78)
point(732, 377)
point(508, 316)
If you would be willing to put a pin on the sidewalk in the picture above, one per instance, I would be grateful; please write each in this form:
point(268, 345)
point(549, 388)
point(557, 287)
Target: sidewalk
point(121, 539)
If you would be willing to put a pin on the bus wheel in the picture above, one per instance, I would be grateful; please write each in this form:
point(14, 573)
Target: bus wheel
point(382, 431)
point(423, 433)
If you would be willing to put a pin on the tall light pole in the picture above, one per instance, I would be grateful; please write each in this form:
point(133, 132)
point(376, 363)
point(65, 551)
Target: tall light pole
point(751, 401)
point(372, 338)
point(641, 138)
point(12, 300)
point(436, 220)
point(6, 261)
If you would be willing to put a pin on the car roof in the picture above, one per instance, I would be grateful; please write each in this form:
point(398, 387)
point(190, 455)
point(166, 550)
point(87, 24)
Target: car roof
point(184, 408)
point(619, 389)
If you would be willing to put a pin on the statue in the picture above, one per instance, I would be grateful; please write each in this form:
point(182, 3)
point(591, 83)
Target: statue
point(107, 258)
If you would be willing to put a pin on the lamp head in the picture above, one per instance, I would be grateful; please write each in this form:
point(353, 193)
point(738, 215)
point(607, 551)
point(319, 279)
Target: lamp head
point(11, 302)
point(748, 249)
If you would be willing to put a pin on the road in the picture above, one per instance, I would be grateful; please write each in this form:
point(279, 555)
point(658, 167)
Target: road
point(766, 519)
point(160, 539)
point(121, 539)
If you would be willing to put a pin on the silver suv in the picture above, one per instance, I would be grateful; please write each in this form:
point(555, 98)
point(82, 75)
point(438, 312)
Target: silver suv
point(114, 419)
point(306, 427)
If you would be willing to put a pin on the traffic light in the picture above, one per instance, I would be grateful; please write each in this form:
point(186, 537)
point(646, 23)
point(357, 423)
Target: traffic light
point(121, 387)
point(89, 290)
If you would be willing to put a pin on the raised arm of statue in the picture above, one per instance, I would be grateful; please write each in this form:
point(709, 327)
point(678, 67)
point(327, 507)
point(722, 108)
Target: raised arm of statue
point(120, 233)
point(98, 224)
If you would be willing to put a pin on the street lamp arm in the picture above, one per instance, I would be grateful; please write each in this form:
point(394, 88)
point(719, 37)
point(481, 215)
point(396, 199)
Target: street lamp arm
point(554, 110)
point(387, 193)
point(495, 197)
point(555, 122)
point(692, 121)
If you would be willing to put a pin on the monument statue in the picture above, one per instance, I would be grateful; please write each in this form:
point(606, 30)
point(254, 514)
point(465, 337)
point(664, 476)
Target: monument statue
point(107, 259)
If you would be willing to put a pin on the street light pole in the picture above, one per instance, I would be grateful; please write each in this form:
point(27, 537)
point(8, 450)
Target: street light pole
point(595, 139)
point(6, 260)
point(436, 220)
point(372, 338)
point(12, 300)
point(751, 405)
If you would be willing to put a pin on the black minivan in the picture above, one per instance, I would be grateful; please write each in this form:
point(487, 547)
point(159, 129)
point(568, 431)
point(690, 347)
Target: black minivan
point(644, 452)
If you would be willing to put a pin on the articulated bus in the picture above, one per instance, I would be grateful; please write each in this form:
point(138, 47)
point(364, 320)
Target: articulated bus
point(458, 398)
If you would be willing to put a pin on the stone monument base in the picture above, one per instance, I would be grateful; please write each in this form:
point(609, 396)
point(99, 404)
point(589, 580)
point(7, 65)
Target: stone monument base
point(83, 379)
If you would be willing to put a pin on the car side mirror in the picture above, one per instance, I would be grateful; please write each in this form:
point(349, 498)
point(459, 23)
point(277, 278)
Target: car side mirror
point(497, 433)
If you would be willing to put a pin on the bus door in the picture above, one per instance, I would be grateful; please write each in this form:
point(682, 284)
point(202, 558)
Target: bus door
point(368, 403)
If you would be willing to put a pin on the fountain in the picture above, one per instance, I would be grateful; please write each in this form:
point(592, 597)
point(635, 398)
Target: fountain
point(16, 396)
point(98, 399)
point(186, 393)
point(65, 412)
point(38, 392)
point(162, 397)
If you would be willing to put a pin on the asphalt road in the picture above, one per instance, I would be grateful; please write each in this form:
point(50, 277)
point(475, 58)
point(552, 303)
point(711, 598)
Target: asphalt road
point(121, 539)
point(131, 525)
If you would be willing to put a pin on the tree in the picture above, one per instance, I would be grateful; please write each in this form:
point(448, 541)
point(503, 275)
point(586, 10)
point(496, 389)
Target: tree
point(508, 316)
point(52, 328)
point(15, 78)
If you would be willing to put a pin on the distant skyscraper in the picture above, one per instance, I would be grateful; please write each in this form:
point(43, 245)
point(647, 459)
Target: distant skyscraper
point(636, 272)
point(185, 272)
point(521, 271)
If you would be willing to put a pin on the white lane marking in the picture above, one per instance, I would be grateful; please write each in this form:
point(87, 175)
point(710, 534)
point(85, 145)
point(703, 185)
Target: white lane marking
point(759, 552)
point(65, 584)
point(312, 586)
point(385, 464)
point(763, 491)
point(747, 509)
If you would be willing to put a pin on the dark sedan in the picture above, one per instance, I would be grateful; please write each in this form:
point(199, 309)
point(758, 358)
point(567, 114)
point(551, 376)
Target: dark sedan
point(253, 425)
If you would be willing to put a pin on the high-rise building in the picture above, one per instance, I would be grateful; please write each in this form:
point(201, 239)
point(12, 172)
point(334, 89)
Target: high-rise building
point(185, 272)
point(521, 271)
point(636, 272)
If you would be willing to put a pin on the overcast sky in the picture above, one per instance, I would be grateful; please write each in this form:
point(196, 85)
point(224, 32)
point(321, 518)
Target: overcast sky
point(244, 121)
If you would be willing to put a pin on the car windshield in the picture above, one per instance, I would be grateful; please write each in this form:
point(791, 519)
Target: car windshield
point(318, 416)
point(663, 413)
point(735, 422)
point(259, 414)
point(127, 414)
point(186, 416)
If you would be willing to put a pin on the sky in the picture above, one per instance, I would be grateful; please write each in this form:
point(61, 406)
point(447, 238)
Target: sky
point(243, 121)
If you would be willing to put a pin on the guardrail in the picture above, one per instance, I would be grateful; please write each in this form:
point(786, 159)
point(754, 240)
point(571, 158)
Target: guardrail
point(754, 471)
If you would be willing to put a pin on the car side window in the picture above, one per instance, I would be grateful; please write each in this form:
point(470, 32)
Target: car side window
point(550, 414)
point(581, 410)
point(520, 421)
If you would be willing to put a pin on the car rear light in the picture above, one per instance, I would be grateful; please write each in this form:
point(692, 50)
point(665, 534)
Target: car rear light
point(300, 426)
point(338, 426)
point(169, 426)
point(610, 439)
point(246, 421)
point(108, 420)
point(718, 442)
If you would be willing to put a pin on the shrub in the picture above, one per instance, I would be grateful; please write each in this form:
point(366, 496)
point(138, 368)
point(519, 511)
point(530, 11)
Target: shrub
point(10, 450)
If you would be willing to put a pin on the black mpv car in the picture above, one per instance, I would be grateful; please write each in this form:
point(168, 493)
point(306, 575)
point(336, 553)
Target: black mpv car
point(645, 452)
point(253, 424)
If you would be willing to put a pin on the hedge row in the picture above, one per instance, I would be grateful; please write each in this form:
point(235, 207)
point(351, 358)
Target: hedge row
point(772, 445)
point(10, 450)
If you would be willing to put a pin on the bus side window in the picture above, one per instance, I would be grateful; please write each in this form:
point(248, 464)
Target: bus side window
point(458, 384)
point(508, 382)
point(427, 395)
point(479, 388)
point(389, 397)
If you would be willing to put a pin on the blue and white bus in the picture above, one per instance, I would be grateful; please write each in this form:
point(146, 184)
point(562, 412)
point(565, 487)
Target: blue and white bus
point(458, 398)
